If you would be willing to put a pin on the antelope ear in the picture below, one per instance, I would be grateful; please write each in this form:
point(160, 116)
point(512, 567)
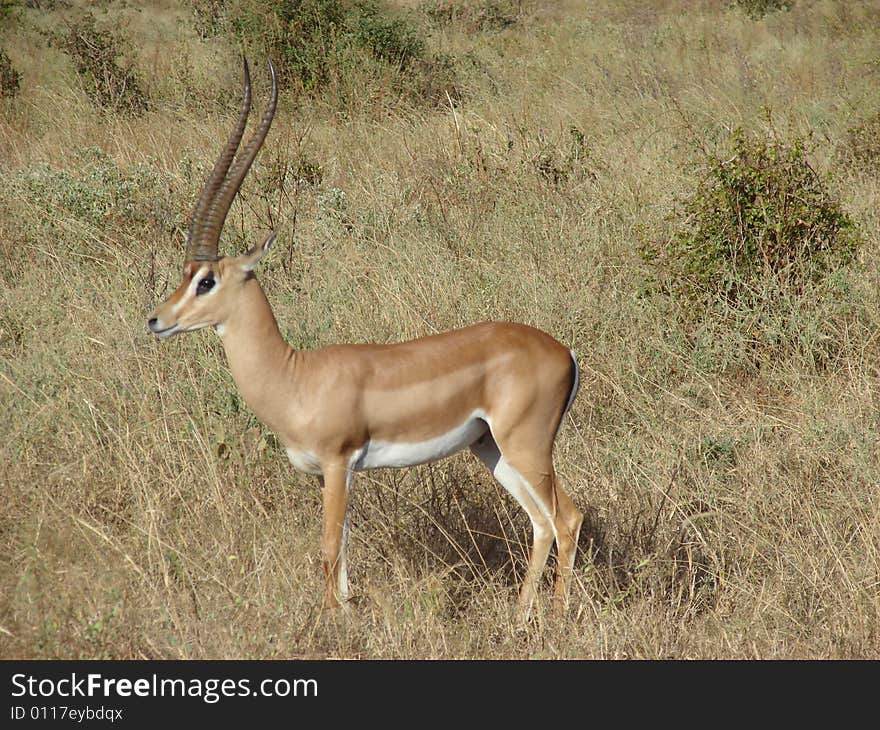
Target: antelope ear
point(250, 260)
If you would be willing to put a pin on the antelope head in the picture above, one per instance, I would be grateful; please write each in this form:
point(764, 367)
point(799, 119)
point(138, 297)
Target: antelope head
point(207, 294)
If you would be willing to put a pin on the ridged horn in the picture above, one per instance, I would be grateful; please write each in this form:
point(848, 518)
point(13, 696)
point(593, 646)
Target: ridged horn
point(212, 222)
point(201, 247)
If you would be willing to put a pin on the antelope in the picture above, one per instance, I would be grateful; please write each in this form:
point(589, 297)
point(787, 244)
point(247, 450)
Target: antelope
point(498, 388)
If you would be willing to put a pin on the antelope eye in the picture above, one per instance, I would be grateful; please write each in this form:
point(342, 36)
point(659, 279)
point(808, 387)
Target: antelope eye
point(205, 285)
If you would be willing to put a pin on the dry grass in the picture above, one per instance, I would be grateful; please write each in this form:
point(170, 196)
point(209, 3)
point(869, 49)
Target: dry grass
point(732, 511)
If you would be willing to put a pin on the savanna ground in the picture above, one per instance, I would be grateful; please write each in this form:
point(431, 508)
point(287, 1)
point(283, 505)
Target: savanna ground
point(517, 169)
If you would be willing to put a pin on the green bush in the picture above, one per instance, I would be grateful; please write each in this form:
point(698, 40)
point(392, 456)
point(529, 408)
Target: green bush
point(93, 191)
point(756, 259)
point(760, 219)
point(99, 54)
point(435, 81)
point(486, 15)
point(860, 148)
point(10, 78)
point(757, 9)
point(301, 36)
point(209, 16)
point(389, 37)
point(558, 164)
point(319, 44)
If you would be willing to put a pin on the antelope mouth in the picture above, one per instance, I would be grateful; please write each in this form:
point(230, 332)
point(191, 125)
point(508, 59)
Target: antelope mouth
point(162, 333)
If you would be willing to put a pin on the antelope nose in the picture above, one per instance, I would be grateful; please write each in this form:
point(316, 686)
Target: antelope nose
point(153, 324)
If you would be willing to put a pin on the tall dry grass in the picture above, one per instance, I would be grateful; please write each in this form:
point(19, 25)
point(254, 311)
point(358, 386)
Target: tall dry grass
point(732, 509)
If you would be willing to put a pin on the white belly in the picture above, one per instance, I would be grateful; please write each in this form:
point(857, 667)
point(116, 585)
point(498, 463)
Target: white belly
point(304, 460)
point(377, 454)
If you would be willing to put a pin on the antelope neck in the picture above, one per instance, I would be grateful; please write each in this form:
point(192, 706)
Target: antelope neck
point(260, 361)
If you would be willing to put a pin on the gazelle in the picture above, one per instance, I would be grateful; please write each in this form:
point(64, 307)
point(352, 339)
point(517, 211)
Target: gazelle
point(501, 389)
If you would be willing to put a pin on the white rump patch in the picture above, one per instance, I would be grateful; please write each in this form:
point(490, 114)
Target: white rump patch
point(378, 454)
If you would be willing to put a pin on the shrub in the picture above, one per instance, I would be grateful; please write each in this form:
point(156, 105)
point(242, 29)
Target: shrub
point(435, 81)
point(10, 78)
point(98, 55)
point(322, 43)
point(299, 35)
point(558, 164)
point(760, 220)
point(486, 15)
point(94, 191)
point(861, 146)
point(389, 37)
point(756, 263)
point(209, 16)
point(757, 9)
point(392, 39)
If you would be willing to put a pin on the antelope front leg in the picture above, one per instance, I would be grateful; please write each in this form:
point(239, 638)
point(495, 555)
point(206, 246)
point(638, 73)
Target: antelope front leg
point(335, 500)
